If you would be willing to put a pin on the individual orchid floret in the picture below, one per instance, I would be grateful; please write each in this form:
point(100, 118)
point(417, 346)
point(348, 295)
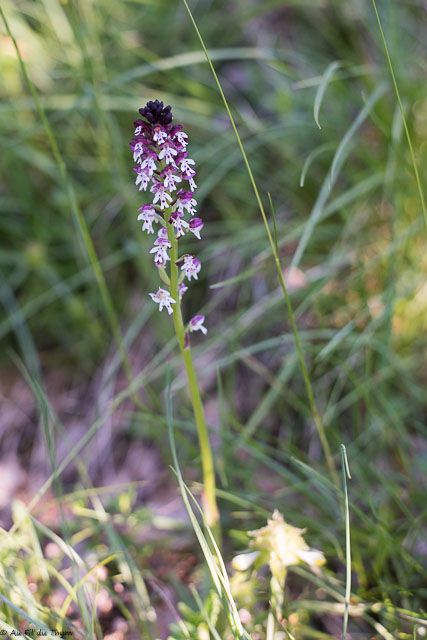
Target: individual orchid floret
point(138, 150)
point(184, 164)
point(163, 299)
point(142, 178)
point(182, 289)
point(161, 256)
point(196, 225)
point(179, 223)
point(190, 265)
point(161, 246)
point(159, 134)
point(148, 216)
point(148, 163)
point(182, 138)
point(185, 201)
point(196, 324)
point(190, 180)
point(168, 153)
point(178, 136)
point(170, 180)
point(161, 194)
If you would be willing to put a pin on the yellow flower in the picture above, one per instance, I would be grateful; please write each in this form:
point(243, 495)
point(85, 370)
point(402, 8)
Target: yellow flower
point(280, 545)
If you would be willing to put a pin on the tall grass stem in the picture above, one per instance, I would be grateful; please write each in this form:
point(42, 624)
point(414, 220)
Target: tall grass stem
point(345, 475)
point(408, 135)
point(317, 419)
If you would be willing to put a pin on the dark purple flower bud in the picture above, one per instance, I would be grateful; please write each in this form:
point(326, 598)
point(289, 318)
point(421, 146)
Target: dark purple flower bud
point(155, 113)
point(177, 128)
point(186, 341)
point(141, 127)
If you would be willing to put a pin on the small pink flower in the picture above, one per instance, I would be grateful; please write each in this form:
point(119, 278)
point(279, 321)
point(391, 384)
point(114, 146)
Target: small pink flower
point(186, 201)
point(185, 166)
point(142, 178)
point(176, 133)
point(161, 246)
point(138, 150)
point(182, 289)
point(163, 299)
point(190, 265)
point(161, 256)
point(161, 194)
point(179, 224)
point(159, 134)
point(170, 180)
point(196, 225)
point(148, 162)
point(168, 153)
point(148, 216)
point(190, 180)
point(196, 324)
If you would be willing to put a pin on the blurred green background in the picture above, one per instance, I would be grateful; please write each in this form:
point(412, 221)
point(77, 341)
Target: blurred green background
point(352, 245)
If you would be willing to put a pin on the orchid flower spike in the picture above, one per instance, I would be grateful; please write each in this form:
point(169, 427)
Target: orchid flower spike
point(166, 172)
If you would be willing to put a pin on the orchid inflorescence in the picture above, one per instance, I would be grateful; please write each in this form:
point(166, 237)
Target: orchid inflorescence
point(163, 166)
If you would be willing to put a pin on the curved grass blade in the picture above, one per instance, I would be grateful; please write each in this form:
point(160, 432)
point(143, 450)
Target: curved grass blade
point(339, 158)
point(308, 162)
point(361, 116)
point(190, 58)
point(20, 612)
point(330, 70)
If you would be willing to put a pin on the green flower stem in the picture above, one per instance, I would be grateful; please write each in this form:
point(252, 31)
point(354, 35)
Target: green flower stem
point(209, 498)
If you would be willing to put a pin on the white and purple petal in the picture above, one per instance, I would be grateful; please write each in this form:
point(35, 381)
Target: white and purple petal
point(196, 324)
point(163, 299)
point(196, 225)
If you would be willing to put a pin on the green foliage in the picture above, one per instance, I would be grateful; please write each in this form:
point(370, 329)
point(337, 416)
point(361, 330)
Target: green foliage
point(351, 244)
point(197, 623)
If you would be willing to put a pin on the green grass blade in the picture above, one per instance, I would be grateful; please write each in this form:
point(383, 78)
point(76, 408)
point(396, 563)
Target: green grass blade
point(330, 70)
point(340, 156)
point(308, 162)
point(345, 475)
point(408, 135)
point(276, 242)
point(75, 208)
point(361, 117)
